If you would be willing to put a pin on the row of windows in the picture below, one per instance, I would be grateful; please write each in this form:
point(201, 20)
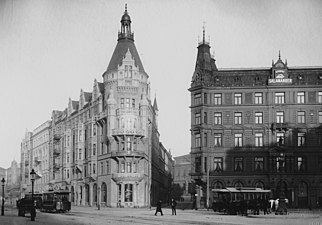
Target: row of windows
point(279, 98)
point(279, 164)
point(238, 139)
point(238, 116)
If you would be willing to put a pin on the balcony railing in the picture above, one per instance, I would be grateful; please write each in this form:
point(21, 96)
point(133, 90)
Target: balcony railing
point(127, 111)
point(280, 126)
point(135, 154)
point(120, 177)
point(127, 131)
point(57, 137)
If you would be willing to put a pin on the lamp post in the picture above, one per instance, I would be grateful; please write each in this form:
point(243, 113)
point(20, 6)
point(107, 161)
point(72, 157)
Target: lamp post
point(33, 210)
point(2, 205)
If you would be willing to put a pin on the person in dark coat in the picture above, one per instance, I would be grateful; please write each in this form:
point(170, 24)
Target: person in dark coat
point(159, 205)
point(173, 204)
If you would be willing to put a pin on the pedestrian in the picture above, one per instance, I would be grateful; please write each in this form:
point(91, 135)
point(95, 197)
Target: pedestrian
point(159, 204)
point(173, 206)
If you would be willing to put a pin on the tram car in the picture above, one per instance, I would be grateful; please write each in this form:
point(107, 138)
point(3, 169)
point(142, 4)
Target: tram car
point(56, 201)
point(231, 200)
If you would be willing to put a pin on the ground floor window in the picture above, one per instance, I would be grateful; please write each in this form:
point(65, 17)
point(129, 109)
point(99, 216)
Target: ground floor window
point(128, 193)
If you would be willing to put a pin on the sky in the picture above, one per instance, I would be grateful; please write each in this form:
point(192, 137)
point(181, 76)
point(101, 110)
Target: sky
point(51, 49)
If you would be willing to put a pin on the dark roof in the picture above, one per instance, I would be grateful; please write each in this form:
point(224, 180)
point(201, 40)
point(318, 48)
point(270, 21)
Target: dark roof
point(119, 52)
point(101, 87)
point(88, 96)
point(75, 105)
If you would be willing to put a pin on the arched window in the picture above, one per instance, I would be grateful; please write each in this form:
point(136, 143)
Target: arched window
point(104, 192)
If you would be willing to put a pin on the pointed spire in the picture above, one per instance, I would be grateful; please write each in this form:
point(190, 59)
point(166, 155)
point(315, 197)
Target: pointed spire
point(125, 26)
point(125, 8)
point(155, 104)
point(279, 54)
point(203, 33)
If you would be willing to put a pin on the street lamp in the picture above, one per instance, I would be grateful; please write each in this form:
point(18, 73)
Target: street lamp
point(33, 210)
point(2, 206)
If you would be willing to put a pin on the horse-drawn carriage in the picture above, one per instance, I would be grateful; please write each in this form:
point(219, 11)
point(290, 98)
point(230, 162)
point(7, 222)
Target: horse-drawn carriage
point(239, 200)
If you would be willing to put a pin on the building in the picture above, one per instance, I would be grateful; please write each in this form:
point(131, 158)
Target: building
point(257, 127)
point(13, 183)
point(104, 148)
point(182, 170)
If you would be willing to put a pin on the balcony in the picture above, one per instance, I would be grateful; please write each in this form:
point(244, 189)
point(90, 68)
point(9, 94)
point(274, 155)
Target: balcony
point(56, 152)
point(26, 163)
point(280, 127)
point(127, 111)
point(56, 167)
point(128, 131)
point(122, 177)
point(57, 137)
point(37, 160)
point(134, 154)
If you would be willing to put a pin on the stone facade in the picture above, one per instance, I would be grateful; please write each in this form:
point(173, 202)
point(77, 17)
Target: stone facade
point(105, 148)
point(257, 127)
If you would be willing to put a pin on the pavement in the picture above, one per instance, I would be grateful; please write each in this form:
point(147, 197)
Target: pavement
point(129, 216)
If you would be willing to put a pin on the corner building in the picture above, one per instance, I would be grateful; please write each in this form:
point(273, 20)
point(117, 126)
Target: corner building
point(105, 147)
point(257, 127)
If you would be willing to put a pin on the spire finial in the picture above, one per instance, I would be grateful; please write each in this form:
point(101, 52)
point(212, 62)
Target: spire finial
point(203, 32)
point(279, 54)
point(126, 7)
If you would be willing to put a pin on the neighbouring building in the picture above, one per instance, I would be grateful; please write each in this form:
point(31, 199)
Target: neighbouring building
point(182, 176)
point(257, 127)
point(13, 183)
point(104, 148)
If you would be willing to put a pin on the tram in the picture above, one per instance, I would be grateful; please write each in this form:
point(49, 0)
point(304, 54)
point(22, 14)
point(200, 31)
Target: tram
point(55, 201)
point(234, 201)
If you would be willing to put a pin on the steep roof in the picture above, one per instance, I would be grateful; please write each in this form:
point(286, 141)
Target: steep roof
point(119, 53)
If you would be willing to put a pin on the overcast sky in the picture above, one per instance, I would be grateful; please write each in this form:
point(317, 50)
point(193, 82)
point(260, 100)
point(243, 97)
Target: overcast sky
point(50, 49)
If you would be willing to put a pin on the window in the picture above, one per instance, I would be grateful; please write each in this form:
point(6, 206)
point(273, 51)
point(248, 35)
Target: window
point(259, 163)
point(300, 164)
point(122, 103)
point(133, 103)
point(238, 140)
point(198, 164)
point(238, 98)
point(217, 99)
point(205, 117)
point(94, 168)
point(128, 144)
point(258, 118)
point(94, 130)
point(122, 169)
point(197, 118)
point(238, 164)
point(259, 139)
point(128, 195)
point(197, 99)
point(127, 103)
point(128, 167)
point(300, 97)
point(94, 149)
point(279, 117)
point(238, 117)
point(218, 166)
point(205, 136)
point(205, 100)
point(301, 117)
point(280, 137)
point(280, 98)
point(218, 140)
point(280, 163)
point(217, 118)
point(197, 140)
point(320, 164)
point(320, 97)
point(258, 98)
point(300, 139)
point(320, 117)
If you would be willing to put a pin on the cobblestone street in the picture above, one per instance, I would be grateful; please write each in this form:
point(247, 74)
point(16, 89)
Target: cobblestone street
point(92, 216)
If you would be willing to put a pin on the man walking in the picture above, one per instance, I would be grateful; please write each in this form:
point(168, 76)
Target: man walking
point(173, 206)
point(159, 205)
